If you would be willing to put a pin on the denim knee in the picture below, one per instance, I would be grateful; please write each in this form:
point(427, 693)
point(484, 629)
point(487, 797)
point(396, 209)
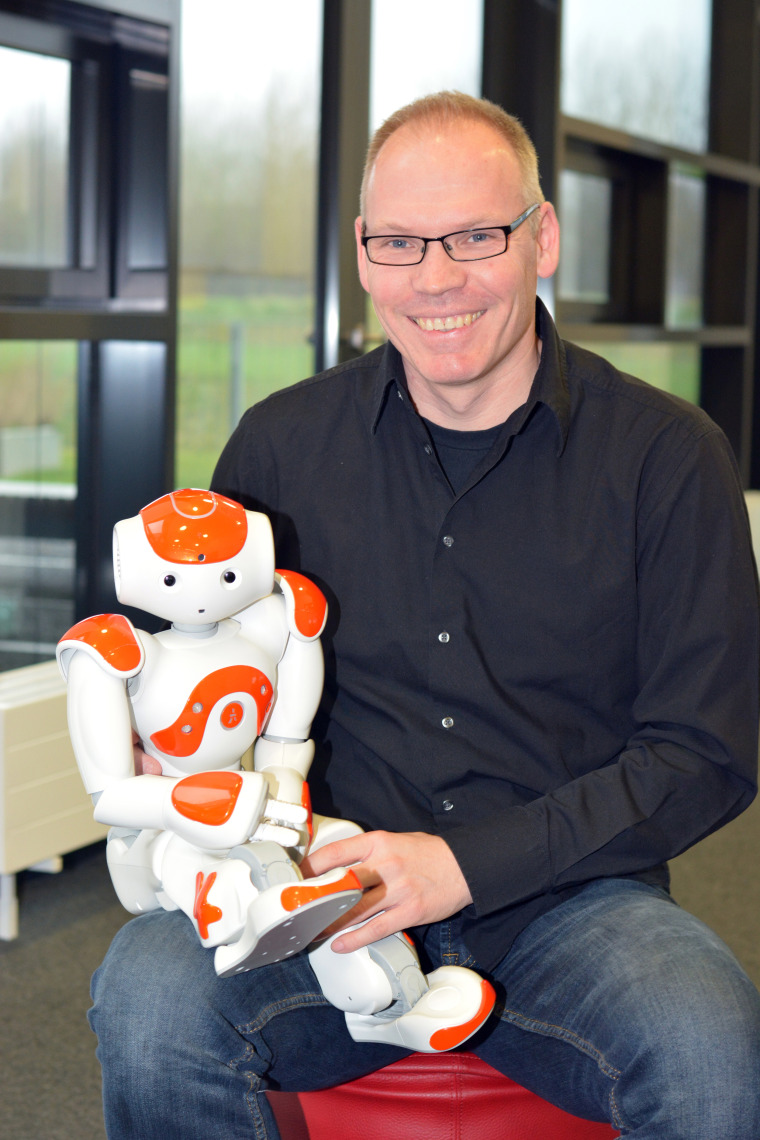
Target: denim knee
point(173, 1062)
point(697, 1074)
point(621, 1006)
point(187, 1054)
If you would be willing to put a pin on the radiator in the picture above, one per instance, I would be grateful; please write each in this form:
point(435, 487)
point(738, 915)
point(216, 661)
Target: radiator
point(44, 810)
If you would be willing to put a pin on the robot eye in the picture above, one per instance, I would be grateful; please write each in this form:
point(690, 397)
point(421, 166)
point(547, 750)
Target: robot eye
point(229, 576)
point(170, 580)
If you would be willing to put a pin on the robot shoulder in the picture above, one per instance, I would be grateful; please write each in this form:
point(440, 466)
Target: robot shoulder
point(110, 639)
point(305, 604)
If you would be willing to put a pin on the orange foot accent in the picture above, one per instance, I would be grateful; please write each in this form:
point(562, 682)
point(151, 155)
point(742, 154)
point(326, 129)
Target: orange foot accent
point(205, 912)
point(456, 1034)
point(294, 897)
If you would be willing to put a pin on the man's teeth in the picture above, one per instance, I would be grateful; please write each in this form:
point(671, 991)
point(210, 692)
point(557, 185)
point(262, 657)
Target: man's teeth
point(443, 324)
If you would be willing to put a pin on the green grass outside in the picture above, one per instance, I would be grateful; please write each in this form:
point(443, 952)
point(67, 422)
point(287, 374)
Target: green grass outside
point(276, 352)
point(673, 367)
point(38, 381)
point(38, 384)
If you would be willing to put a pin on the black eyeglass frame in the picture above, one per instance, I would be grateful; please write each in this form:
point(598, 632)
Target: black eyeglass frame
point(507, 230)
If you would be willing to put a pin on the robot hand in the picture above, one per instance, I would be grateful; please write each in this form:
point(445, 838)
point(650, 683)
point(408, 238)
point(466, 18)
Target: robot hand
point(283, 823)
point(225, 809)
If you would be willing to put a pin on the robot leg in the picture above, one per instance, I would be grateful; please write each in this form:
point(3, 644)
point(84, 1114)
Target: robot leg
point(213, 890)
point(132, 855)
point(288, 911)
point(387, 998)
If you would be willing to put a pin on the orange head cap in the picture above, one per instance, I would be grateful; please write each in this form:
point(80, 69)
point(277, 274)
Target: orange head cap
point(195, 526)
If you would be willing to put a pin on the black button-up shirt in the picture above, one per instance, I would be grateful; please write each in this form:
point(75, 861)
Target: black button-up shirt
point(554, 667)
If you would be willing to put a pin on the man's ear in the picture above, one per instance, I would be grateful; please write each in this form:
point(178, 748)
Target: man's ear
point(361, 253)
point(547, 241)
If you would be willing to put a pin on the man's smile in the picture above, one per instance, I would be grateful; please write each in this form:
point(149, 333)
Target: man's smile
point(445, 324)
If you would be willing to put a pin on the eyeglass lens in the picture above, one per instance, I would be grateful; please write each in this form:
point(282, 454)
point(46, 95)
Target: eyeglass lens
point(469, 245)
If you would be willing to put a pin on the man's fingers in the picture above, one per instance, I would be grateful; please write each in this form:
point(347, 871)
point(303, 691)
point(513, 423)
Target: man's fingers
point(371, 931)
point(342, 853)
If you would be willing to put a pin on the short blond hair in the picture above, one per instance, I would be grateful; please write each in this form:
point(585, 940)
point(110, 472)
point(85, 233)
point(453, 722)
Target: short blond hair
point(446, 108)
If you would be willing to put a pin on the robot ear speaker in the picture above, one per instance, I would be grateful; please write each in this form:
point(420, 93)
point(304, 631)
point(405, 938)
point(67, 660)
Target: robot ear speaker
point(116, 562)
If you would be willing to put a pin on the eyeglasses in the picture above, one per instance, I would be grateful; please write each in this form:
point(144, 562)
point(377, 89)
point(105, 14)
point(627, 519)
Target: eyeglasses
point(464, 245)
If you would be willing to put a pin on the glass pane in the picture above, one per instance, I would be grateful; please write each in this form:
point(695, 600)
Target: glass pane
point(585, 207)
point(38, 392)
point(146, 227)
point(435, 67)
point(639, 65)
point(34, 143)
point(248, 208)
point(687, 205)
point(673, 367)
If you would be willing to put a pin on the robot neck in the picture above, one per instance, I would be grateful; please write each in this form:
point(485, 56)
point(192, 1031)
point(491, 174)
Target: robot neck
point(196, 630)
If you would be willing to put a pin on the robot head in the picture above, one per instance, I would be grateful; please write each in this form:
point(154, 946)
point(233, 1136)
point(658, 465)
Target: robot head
point(193, 557)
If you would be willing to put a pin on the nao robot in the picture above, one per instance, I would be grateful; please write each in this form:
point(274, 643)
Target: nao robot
point(195, 831)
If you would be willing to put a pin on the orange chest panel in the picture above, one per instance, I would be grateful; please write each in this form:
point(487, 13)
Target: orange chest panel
point(184, 736)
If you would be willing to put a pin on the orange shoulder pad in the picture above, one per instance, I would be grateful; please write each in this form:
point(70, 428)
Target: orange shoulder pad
point(305, 604)
point(110, 637)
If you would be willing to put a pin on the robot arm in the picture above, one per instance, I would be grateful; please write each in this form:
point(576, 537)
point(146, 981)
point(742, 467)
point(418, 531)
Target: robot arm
point(300, 675)
point(99, 723)
point(216, 810)
point(284, 753)
point(211, 809)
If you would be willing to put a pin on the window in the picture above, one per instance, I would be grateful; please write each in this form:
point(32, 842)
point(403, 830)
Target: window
point(426, 56)
point(654, 102)
point(584, 270)
point(642, 66)
point(673, 367)
point(687, 210)
point(419, 62)
point(87, 324)
point(34, 167)
point(38, 399)
point(249, 174)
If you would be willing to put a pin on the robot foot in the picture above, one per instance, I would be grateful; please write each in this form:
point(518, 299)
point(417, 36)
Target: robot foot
point(284, 919)
point(455, 1005)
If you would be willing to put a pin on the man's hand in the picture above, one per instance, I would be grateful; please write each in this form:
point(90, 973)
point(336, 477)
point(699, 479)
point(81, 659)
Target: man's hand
point(412, 877)
point(144, 764)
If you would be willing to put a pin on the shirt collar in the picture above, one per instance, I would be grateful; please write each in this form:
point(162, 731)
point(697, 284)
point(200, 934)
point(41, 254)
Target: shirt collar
point(389, 378)
point(549, 386)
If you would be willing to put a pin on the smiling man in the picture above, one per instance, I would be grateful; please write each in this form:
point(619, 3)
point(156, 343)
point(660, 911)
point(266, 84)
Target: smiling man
point(541, 684)
point(465, 328)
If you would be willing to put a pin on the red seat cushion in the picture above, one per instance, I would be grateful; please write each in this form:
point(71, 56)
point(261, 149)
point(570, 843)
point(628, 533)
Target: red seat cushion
point(455, 1096)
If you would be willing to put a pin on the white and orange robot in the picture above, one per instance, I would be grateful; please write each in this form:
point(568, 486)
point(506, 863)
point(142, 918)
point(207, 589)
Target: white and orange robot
point(240, 663)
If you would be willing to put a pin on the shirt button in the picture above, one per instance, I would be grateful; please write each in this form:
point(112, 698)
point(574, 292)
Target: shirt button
point(448, 540)
point(447, 805)
point(448, 722)
point(444, 637)
point(428, 449)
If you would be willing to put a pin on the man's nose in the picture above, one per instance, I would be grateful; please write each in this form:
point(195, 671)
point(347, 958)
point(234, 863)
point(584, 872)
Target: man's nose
point(437, 272)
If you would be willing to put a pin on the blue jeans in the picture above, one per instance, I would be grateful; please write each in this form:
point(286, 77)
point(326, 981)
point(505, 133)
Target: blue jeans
point(617, 1005)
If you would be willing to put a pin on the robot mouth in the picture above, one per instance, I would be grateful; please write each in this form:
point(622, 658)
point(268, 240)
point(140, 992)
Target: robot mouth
point(201, 611)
